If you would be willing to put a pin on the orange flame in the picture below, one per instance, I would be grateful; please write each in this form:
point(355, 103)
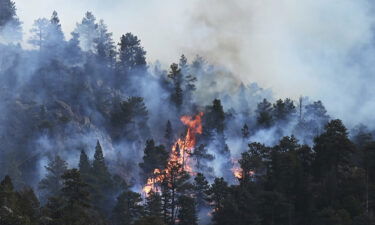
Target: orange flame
point(238, 172)
point(180, 151)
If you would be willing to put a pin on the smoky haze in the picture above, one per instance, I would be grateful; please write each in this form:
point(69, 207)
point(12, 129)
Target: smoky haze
point(294, 47)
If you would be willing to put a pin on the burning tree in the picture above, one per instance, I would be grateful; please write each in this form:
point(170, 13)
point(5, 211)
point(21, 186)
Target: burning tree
point(179, 159)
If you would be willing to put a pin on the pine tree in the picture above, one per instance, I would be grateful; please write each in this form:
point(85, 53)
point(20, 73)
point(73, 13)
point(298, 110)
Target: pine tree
point(84, 163)
point(10, 26)
point(168, 135)
point(52, 183)
point(187, 82)
point(245, 131)
point(28, 205)
point(175, 183)
point(88, 32)
point(74, 190)
point(153, 206)
point(39, 33)
point(283, 110)
point(176, 77)
point(105, 47)
point(102, 184)
point(11, 205)
point(75, 201)
point(134, 117)
point(128, 208)
point(7, 195)
point(183, 63)
point(333, 149)
point(316, 118)
point(214, 119)
point(264, 114)
point(99, 165)
point(72, 48)
point(132, 56)
point(217, 193)
point(155, 157)
point(187, 211)
point(55, 36)
point(8, 12)
point(202, 158)
point(201, 188)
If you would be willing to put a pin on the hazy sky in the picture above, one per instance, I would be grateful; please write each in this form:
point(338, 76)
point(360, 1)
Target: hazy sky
point(320, 48)
point(157, 22)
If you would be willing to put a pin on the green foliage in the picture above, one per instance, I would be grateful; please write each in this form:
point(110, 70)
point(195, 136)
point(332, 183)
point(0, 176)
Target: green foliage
point(264, 114)
point(187, 211)
point(201, 187)
point(84, 164)
point(52, 183)
point(155, 157)
point(168, 135)
point(128, 208)
point(153, 206)
point(176, 76)
point(131, 54)
point(202, 158)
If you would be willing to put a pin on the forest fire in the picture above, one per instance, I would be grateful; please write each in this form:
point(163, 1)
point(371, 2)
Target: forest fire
point(238, 171)
point(180, 152)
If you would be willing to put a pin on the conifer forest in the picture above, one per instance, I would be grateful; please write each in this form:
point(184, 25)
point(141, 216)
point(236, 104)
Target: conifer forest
point(93, 132)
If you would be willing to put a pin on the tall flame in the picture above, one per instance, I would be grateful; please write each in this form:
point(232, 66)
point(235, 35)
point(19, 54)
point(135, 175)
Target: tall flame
point(181, 150)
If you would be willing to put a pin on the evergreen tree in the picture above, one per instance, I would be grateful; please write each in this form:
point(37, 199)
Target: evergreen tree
point(8, 12)
point(368, 163)
point(84, 163)
point(217, 193)
point(74, 190)
point(75, 201)
point(201, 188)
point(7, 194)
point(39, 33)
point(52, 183)
point(153, 206)
point(176, 77)
point(15, 209)
point(183, 64)
point(188, 81)
point(102, 185)
point(105, 47)
point(202, 158)
point(88, 33)
point(85, 169)
point(128, 208)
point(131, 119)
point(132, 56)
point(55, 36)
point(245, 131)
point(99, 165)
point(215, 118)
point(10, 26)
point(283, 110)
point(168, 135)
point(187, 212)
point(72, 48)
point(28, 206)
point(264, 114)
point(155, 157)
point(333, 149)
point(175, 183)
